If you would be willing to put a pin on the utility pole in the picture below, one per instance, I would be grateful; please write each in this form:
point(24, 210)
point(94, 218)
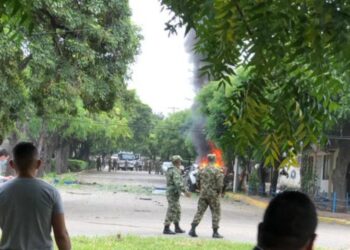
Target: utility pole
point(174, 109)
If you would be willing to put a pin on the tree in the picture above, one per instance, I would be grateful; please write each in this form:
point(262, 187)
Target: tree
point(172, 135)
point(141, 120)
point(15, 14)
point(297, 54)
point(76, 53)
point(76, 50)
point(216, 105)
point(75, 136)
point(13, 90)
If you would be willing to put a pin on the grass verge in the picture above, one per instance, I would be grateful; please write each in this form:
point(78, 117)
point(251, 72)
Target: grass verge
point(70, 181)
point(151, 243)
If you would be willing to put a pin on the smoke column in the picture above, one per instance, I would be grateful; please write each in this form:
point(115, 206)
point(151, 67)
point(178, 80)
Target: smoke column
point(199, 120)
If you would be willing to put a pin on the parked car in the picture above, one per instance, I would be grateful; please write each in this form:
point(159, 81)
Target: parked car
point(190, 177)
point(125, 160)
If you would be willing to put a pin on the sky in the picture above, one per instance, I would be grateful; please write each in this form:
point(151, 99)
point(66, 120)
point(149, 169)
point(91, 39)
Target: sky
point(162, 72)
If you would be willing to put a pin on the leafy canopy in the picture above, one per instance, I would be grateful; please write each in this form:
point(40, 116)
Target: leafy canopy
point(76, 57)
point(297, 54)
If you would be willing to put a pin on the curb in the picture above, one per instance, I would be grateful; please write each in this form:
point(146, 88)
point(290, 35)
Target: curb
point(248, 200)
point(263, 205)
point(334, 220)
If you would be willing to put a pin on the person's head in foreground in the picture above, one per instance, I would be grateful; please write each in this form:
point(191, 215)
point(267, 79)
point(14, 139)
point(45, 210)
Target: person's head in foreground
point(3, 153)
point(176, 160)
point(26, 160)
point(289, 223)
point(3, 157)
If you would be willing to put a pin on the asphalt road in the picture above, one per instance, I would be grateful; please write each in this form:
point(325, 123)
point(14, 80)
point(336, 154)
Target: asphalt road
point(91, 211)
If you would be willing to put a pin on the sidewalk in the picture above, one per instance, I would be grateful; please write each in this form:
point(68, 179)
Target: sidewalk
point(260, 202)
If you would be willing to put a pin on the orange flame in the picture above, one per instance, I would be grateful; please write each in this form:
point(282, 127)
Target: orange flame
point(217, 152)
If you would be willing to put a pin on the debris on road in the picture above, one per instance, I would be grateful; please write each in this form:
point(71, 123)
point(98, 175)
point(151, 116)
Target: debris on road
point(79, 193)
point(145, 199)
point(159, 190)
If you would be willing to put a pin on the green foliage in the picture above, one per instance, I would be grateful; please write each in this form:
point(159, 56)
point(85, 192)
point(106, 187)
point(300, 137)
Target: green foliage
point(141, 121)
point(297, 54)
point(309, 178)
point(12, 88)
point(73, 64)
point(15, 14)
point(61, 179)
point(150, 243)
point(77, 165)
point(125, 189)
point(173, 136)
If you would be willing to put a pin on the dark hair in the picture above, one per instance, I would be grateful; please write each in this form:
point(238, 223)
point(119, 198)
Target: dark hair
point(290, 221)
point(24, 153)
point(3, 152)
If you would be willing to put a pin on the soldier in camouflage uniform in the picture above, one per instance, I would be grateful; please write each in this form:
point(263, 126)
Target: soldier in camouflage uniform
point(211, 182)
point(157, 166)
point(175, 186)
point(98, 163)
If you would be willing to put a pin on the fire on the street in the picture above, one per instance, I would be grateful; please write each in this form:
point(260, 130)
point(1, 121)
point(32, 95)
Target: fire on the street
point(217, 152)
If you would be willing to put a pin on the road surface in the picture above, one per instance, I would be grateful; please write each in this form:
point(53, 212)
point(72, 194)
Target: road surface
point(92, 211)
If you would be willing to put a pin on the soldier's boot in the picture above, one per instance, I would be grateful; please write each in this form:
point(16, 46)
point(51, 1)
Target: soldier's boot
point(192, 232)
point(167, 230)
point(216, 234)
point(178, 229)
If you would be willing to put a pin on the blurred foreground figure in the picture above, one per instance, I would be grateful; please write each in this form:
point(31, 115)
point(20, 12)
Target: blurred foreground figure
point(289, 223)
point(29, 207)
point(211, 183)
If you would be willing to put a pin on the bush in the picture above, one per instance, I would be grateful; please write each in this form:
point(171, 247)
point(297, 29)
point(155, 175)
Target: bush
point(77, 165)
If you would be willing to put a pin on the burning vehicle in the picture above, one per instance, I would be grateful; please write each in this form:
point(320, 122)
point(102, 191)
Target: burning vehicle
point(191, 173)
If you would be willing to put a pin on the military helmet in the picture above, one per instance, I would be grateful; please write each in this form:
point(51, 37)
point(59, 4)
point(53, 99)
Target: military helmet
point(176, 158)
point(211, 157)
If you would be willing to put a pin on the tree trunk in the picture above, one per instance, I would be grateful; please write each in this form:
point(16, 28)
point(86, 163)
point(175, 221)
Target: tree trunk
point(13, 140)
point(84, 152)
point(242, 177)
point(61, 157)
point(274, 181)
point(245, 167)
point(262, 180)
point(47, 153)
point(339, 173)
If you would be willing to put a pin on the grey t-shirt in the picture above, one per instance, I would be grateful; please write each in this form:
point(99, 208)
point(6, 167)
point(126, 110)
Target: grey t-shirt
point(26, 209)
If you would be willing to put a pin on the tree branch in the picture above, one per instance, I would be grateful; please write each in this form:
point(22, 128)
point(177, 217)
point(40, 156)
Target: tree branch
point(55, 23)
point(25, 62)
point(240, 11)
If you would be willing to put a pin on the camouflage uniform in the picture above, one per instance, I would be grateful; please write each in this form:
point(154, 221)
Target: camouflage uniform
point(98, 163)
point(175, 185)
point(157, 166)
point(211, 181)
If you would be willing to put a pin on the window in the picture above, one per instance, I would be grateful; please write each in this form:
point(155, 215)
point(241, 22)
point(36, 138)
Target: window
point(327, 161)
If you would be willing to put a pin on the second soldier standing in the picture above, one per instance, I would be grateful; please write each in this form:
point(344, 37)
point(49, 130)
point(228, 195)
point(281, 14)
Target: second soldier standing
point(175, 186)
point(211, 182)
